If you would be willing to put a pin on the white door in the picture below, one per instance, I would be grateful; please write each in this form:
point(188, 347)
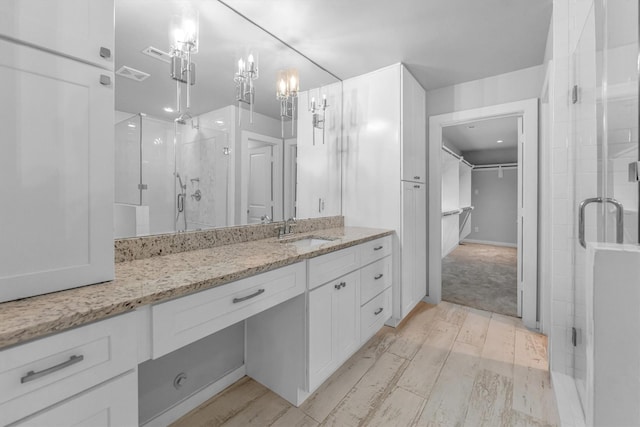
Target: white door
point(520, 265)
point(260, 201)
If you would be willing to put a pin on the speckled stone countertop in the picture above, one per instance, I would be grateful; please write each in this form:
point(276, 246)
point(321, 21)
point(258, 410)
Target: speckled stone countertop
point(151, 280)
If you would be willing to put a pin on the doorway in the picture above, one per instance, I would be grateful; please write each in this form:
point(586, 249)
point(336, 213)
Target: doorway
point(480, 215)
point(262, 184)
point(527, 172)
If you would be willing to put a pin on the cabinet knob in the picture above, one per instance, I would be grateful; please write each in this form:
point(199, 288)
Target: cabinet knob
point(378, 311)
point(105, 52)
point(416, 186)
point(378, 276)
point(105, 80)
point(416, 177)
point(340, 285)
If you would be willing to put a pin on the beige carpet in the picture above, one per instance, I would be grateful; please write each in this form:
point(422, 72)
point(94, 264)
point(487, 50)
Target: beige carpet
point(481, 276)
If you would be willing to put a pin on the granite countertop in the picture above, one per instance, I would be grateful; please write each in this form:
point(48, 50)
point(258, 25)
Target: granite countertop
point(161, 278)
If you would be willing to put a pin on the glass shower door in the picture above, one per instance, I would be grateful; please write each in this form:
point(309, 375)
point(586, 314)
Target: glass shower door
point(603, 143)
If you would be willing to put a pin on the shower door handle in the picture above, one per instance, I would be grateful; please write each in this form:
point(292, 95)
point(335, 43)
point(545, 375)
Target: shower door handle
point(180, 202)
point(619, 218)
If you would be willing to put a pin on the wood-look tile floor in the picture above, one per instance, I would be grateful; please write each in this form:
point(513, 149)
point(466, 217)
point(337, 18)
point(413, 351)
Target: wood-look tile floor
point(446, 365)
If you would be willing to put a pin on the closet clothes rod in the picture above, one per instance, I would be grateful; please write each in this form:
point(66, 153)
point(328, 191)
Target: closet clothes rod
point(453, 212)
point(448, 150)
point(496, 166)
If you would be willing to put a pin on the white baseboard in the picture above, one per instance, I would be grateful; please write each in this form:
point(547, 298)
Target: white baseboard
point(196, 399)
point(567, 400)
point(488, 242)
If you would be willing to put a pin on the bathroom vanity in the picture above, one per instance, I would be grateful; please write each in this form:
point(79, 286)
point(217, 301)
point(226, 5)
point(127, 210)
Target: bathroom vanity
point(307, 304)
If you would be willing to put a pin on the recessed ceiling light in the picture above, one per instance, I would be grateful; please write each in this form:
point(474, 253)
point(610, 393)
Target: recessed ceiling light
point(168, 109)
point(219, 122)
point(499, 141)
point(131, 125)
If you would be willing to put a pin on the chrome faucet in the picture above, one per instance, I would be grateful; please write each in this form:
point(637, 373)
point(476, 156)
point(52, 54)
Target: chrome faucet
point(266, 219)
point(286, 228)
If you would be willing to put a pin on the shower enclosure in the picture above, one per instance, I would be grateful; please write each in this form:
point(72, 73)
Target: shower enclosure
point(170, 176)
point(603, 161)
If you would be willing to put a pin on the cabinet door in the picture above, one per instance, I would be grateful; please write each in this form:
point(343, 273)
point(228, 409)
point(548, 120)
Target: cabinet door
point(414, 140)
point(322, 317)
point(78, 28)
point(420, 242)
point(334, 326)
point(56, 166)
point(414, 245)
point(348, 315)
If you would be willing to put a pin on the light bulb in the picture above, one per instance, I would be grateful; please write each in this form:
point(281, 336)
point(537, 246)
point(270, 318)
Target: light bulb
point(283, 87)
point(292, 86)
point(240, 66)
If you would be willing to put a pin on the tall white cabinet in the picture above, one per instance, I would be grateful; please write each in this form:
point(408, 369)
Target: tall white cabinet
point(385, 172)
point(56, 150)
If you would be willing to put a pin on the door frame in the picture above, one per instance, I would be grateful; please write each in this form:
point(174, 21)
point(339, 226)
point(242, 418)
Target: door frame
point(528, 109)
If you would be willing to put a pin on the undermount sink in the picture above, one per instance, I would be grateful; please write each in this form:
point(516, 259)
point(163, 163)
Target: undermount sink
point(306, 242)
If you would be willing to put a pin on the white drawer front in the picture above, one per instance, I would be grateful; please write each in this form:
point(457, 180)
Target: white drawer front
point(330, 266)
point(114, 404)
point(375, 249)
point(374, 278)
point(185, 320)
point(41, 373)
point(374, 314)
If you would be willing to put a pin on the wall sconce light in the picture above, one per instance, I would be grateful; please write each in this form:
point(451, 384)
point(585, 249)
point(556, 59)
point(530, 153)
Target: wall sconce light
point(184, 39)
point(288, 85)
point(244, 77)
point(318, 115)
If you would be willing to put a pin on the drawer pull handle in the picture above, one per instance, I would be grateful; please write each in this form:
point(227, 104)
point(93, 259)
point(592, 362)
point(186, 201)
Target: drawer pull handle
point(378, 276)
point(377, 248)
point(378, 311)
point(255, 294)
point(416, 177)
point(32, 375)
point(340, 285)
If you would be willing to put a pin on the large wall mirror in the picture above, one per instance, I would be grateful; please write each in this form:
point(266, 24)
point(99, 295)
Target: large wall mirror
point(244, 150)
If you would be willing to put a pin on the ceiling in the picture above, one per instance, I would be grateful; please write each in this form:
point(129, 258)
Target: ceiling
point(483, 135)
point(443, 42)
point(225, 36)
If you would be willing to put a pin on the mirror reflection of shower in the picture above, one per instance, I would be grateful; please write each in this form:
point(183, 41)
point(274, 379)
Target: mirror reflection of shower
point(172, 176)
point(180, 198)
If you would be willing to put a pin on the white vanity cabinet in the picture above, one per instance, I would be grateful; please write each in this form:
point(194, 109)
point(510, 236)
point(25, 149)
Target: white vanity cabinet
point(334, 326)
point(56, 150)
point(79, 29)
point(73, 376)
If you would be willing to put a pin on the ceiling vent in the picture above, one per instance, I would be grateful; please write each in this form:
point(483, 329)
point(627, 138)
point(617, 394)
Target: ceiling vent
point(157, 54)
point(132, 73)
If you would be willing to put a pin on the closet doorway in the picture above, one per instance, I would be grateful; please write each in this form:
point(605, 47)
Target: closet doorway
point(526, 114)
point(480, 214)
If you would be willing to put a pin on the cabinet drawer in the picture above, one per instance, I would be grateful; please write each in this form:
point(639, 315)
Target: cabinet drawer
point(330, 266)
point(374, 278)
point(374, 314)
point(41, 373)
point(375, 249)
point(185, 320)
point(114, 404)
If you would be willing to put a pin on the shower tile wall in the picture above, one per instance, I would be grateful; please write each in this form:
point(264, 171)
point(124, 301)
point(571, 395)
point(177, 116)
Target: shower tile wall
point(204, 166)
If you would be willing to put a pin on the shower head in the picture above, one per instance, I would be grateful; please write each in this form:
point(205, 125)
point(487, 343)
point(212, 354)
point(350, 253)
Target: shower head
point(182, 119)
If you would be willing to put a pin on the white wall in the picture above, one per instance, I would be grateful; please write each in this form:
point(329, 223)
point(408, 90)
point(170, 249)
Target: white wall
point(495, 201)
point(500, 89)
